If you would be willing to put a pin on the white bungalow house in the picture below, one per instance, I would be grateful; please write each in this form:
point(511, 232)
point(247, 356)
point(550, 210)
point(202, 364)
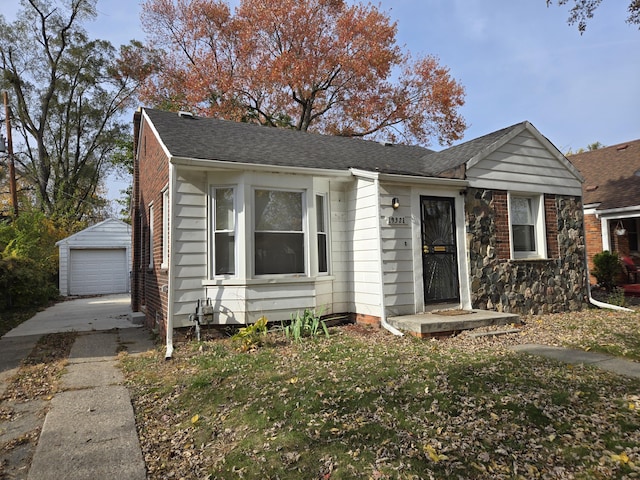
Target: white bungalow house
point(263, 221)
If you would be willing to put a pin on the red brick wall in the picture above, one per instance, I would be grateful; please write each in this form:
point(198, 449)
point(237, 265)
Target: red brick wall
point(551, 226)
point(593, 240)
point(151, 174)
point(503, 248)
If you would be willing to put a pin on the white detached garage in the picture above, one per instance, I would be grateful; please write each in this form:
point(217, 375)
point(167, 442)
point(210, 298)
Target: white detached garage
point(96, 260)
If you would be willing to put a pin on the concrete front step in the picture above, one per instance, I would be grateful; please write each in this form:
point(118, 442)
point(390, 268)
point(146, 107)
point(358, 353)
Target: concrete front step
point(434, 324)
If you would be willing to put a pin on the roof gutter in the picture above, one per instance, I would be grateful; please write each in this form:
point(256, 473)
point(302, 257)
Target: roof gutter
point(409, 179)
point(242, 166)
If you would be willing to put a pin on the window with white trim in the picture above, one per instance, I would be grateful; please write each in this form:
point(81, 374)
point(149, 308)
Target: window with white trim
point(224, 227)
point(278, 232)
point(322, 233)
point(165, 228)
point(151, 236)
point(526, 220)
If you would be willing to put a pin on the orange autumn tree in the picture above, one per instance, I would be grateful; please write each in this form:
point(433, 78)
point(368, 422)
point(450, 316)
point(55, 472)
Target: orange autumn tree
point(319, 65)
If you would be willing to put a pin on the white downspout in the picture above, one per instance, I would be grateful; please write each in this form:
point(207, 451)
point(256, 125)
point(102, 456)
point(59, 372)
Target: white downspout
point(600, 304)
point(169, 326)
point(383, 314)
point(592, 300)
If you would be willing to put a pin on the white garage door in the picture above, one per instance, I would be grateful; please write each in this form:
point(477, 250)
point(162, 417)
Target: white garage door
point(98, 271)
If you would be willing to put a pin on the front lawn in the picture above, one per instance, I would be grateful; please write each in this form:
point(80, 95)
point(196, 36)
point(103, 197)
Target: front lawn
point(366, 404)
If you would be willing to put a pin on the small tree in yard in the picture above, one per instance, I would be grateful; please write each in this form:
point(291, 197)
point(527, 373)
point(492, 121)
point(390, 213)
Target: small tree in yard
point(606, 269)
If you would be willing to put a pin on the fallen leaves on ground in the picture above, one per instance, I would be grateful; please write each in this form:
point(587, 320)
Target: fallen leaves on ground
point(366, 404)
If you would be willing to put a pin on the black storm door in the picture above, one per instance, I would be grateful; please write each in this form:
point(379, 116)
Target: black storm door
point(439, 252)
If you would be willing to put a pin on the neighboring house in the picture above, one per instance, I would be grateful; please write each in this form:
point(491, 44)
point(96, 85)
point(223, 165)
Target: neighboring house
point(611, 198)
point(265, 221)
point(96, 260)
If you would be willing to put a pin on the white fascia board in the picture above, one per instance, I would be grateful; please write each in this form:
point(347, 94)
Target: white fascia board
point(240, 166)
point(410, 179)
point(622, 212)
point(147, 120)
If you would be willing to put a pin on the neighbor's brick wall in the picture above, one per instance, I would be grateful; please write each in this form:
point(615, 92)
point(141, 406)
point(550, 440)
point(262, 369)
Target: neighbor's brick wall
point(593, 235)
point(152, 172)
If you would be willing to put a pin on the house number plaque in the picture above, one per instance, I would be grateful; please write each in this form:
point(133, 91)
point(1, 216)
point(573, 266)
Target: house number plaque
point(397, 221)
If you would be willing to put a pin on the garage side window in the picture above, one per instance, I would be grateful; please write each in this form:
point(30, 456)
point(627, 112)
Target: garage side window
point(151, 237)
point(279, 232)
point(224, 237)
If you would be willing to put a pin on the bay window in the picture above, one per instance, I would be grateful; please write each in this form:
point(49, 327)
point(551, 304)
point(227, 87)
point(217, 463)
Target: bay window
point(321, 229)
point(278, 232)
point(224, 222)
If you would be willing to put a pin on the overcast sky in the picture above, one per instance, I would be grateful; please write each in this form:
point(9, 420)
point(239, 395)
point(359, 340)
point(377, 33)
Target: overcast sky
point(517, 59)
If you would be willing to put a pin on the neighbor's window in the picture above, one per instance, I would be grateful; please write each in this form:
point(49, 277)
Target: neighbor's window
point(224, 222)
point(321, 222)
point(526, 214)
point(279, 233)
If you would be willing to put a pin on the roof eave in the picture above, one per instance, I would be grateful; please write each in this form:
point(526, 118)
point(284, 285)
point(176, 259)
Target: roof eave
point(243, 166)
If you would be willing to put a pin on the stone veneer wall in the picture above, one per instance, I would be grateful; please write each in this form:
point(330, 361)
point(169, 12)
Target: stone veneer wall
point(557, 284)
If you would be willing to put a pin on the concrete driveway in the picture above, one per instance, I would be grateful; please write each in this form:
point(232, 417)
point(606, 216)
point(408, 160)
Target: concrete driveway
point(79, 315)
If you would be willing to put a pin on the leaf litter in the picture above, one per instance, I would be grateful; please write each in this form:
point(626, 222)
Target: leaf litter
point(366, 404)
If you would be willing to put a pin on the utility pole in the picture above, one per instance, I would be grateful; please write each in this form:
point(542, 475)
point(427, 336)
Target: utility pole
point(12, 166)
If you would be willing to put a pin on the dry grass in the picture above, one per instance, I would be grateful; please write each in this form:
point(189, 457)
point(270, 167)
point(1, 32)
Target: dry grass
point(365, 404)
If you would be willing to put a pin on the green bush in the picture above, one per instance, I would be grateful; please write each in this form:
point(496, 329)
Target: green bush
point(252, 336)
point(29, 260)
point(24, 284)
point(606, 269)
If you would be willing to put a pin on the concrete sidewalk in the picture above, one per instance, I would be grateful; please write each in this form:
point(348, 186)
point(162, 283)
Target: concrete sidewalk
point(90, 431)
point(609, 363)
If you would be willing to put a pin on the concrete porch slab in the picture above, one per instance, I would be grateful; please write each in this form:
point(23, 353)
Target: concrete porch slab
point(437, 323)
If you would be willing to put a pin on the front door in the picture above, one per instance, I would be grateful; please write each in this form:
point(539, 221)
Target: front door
point(439, 253)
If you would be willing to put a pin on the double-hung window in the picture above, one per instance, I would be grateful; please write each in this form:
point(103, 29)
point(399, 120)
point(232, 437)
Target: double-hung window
point(224, 222)
point(321, 228)
point(526, 215)
point(151, 232)
point(165, 228)
point(278, 232)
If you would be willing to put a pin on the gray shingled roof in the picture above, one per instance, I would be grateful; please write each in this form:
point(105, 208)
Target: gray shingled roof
point(214, 139)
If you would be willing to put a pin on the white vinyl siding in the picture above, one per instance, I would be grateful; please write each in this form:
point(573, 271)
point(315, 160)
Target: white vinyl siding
point(341, 252)
point(397, 252)
point(524, 164)
point(189, 257)
point(363, 216)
